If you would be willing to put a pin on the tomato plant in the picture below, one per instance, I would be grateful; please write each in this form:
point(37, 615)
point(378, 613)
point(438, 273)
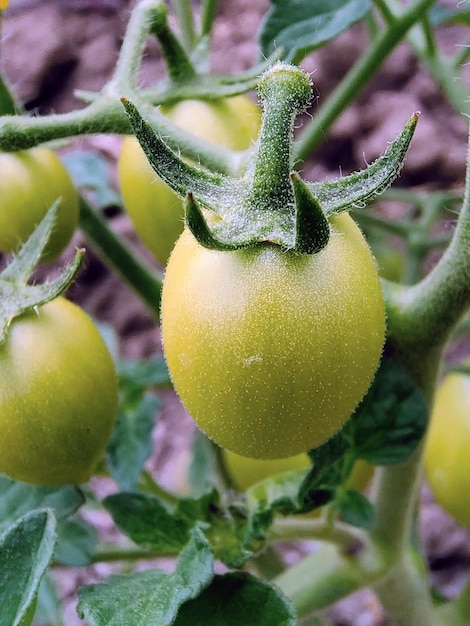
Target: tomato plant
point(58, 396)
point(239, 356)
point(273, 322)
point(155, 210)
point(447, 448)
point(31, 181)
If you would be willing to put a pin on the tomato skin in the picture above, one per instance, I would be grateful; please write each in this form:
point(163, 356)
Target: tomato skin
point(155, 210)
point(31, 181)
point(447, 452)
point(246, 472)
point(58, 396)
point(270, 351)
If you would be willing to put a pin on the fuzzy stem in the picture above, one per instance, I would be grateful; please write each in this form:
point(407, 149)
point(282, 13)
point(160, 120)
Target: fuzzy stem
point(208, 12)
point(186, 21)
point(297, 528)
point(180, 68)
point(143, 281)
point(326, 576)
point(443, 68)
point(130, 54)
point(285, 92)
point(357, 78)
point(405, 597)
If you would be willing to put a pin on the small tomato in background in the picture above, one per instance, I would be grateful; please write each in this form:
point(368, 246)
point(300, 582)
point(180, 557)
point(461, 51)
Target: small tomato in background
point(31, 181)
point(246, 472)
point(155, 210)
point(58, 396)
point(447, 453)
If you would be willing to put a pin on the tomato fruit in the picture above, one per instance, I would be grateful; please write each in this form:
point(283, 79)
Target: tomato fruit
point(447, 453)
point(58, 396)
point(270, 351)
point(155, 210)
point(30, 182)
point(246, 472)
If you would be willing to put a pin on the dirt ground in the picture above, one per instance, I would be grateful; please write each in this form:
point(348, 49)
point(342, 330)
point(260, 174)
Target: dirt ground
point(75, 44)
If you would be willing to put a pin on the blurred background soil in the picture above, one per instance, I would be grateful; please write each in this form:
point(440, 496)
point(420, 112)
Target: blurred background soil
point(52, 48)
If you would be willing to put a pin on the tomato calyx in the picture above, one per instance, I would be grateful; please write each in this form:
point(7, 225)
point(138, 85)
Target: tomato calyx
point(269, 203)
point(18, 297)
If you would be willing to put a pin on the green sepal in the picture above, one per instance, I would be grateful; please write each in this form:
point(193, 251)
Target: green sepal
point(197, 224)
point(210, 189)
point(268, 203)
point(16, 296)
point(312, 228)
point(356, 190)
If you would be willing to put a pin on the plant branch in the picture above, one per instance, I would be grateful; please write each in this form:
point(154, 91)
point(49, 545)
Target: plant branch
point(344, 536)
point(143, 281)
point(358, 77)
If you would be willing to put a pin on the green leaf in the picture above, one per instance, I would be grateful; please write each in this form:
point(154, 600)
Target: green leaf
point(76, 541)
point(238, 599)
point(300, 26)
point(26, 549)
point(354, 507)
point(17, 296)
point(147, 521)
point(90, 172)
point(143, 373)
point(391, 419)
point(48, 605)
point(17, 498)
point(278, 494)
point(203, 472)
point(130, 444)
point(151, 597)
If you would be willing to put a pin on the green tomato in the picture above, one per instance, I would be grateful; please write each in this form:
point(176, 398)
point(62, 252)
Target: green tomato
point(30, 182)
point(155, 210)
point(390, 262)
point(58, 396)
point(271, 351)
point(447, 452)
point(246, 472)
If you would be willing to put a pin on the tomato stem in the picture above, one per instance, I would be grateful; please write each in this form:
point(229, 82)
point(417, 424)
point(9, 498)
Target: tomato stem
point(359, 75)
point(285, 92)
point(145, 282)
point(180, 68)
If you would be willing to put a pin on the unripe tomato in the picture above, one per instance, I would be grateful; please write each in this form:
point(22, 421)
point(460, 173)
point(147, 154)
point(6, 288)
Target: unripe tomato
point(246, 472)
point(271, 351)
point(30, 182)
point(58, 396)
point(155, 210)
point(447, 453)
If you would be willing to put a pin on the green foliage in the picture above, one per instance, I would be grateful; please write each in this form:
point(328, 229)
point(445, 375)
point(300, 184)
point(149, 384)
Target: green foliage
point(368, 541)
point(150, 597)
point(90, 173)
point(26, 549)
point(237, 599)
point(299, 26)
point(17, 499)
